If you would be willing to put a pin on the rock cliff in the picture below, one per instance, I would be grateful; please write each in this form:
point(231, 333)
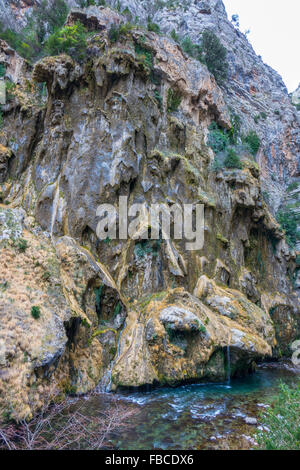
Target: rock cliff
point(77, 312)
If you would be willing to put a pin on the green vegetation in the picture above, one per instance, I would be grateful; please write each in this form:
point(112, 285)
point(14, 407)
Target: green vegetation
point(98, 294)
point(235, 130)
point(153, 27)
point(293, 186)
point(2, 70)
point(36, 312)
point(282, 421)
point(118, 31)
point(146, 247)
point(145, 54)
point(210, 52)
point(232, 160)
point(222, 140)
point(214, 55)
point(117, 309)
point(22, 245)
point(218, 139)
point(253, 141)
point(158, 98)
point(10, 87)
point(289, 223)
point(191, 49)
point(45, 20)
point(173, 100)
point(69, 40)
point(175, 36)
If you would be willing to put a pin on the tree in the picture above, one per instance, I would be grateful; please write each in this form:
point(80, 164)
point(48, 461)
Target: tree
point(70, 40)
point(214, 55)
point(235, 20)
point(232, 160)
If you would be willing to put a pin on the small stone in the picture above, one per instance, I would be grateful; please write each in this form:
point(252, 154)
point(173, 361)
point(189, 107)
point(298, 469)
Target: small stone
point(252, 421)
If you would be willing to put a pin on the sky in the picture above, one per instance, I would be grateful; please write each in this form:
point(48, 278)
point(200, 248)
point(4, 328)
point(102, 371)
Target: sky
point(275, 33)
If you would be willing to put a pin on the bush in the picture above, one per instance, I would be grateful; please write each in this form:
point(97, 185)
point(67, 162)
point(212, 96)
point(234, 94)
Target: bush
point(22, 245)
point(117, 31)
point(158, 98)
point(289, 223)
point(232, 160)
point(294, 185)
point(145, 54)
point(235, 130)
point(2, 70)
point(214, 55)
point(191, 49)
point(175, 36)
point(282, 421)
point(173, 100)
point(153, 27)
point(253, 141)
point(217, 138)
point(69, 40)
point(36, 312)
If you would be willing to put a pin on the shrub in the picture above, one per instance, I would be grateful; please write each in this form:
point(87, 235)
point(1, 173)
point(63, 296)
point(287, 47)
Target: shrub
point(191, 49)
point(232, 160)
point(289, 223)
point(214, 55)
point(145, 54)
point(10, 87)
point(216, 166)
point(2, 70)
point(158, 98)
point(217, 138)
point(70, 40)
point(173, 100)
point(263, 115)
point(175, 36)
point(235, 130)
point(153, 27)
point(22, 245)
point(36, 312)
point(253, 141)
point(256, 118)
point(282, 421)
point(293, 186)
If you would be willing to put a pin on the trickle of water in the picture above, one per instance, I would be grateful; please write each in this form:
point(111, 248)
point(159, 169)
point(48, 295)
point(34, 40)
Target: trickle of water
point(54, 206)
point(105, 383)
point(228, 365)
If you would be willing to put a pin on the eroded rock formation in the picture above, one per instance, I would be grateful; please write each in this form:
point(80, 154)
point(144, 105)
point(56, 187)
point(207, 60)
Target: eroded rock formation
point(134, 312)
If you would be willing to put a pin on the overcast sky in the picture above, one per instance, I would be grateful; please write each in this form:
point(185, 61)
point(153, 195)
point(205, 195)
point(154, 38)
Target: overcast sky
point(275, 33)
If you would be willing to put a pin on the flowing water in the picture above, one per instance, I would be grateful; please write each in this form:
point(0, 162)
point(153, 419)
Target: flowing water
point(204, 416)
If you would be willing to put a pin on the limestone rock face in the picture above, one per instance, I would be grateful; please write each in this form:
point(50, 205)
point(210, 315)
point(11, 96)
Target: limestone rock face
point(135, 312)
point(296, 96)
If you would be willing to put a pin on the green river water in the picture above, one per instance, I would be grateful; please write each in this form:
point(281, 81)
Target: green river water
point(203, 416)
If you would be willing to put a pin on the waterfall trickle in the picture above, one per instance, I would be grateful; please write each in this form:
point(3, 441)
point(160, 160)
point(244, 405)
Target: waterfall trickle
point(228, 365)
point(228, 360)
point(105, 383)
